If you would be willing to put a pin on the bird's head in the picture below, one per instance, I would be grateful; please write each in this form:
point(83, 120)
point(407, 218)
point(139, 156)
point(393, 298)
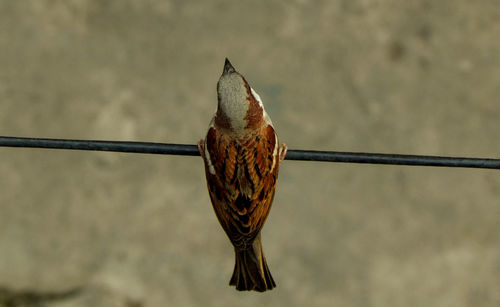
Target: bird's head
point(239, 107)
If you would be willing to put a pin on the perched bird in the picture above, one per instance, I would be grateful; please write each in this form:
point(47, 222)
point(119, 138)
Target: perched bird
point(242, 156)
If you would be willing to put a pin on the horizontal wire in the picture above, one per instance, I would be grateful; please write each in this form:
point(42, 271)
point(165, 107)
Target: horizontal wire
point(298, 155)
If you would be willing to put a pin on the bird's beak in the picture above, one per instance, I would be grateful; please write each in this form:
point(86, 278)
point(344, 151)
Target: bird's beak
point(228, 68)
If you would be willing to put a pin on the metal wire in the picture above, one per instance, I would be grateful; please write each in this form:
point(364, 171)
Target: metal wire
point(298, 155)
point(117, 146)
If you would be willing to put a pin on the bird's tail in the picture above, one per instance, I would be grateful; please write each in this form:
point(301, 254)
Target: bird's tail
point(251, 271)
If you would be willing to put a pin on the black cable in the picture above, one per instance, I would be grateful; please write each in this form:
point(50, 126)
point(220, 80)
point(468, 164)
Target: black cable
point(301, 155)
point(117, 146)
point(394, 159)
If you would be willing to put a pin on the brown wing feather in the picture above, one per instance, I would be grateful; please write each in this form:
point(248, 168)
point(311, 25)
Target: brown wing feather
point(242, 188)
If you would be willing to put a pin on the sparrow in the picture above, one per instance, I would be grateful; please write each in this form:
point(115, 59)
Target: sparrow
point(242, 156)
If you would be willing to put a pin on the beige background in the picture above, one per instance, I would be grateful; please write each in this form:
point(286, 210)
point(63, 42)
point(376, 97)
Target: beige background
point(418, 77)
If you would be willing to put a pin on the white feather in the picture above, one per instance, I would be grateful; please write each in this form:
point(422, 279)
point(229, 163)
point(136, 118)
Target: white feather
point(275, 151)
point(254, 93)
point(208, 158)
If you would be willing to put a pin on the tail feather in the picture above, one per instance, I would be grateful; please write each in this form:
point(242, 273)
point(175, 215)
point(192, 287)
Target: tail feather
point(250, 270)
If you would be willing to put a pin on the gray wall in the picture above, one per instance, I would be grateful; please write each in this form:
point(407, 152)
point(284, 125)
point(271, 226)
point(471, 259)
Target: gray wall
point(418, 77)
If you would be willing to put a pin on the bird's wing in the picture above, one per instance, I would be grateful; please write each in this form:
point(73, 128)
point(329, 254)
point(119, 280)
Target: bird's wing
point(241, 176)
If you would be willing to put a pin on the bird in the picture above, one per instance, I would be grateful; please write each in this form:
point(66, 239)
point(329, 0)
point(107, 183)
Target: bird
point(242, 155)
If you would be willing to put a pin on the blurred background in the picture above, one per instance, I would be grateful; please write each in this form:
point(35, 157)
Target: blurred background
point(111, 229)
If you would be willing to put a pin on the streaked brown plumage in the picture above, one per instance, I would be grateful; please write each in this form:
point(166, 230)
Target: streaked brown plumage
point(242, 156)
